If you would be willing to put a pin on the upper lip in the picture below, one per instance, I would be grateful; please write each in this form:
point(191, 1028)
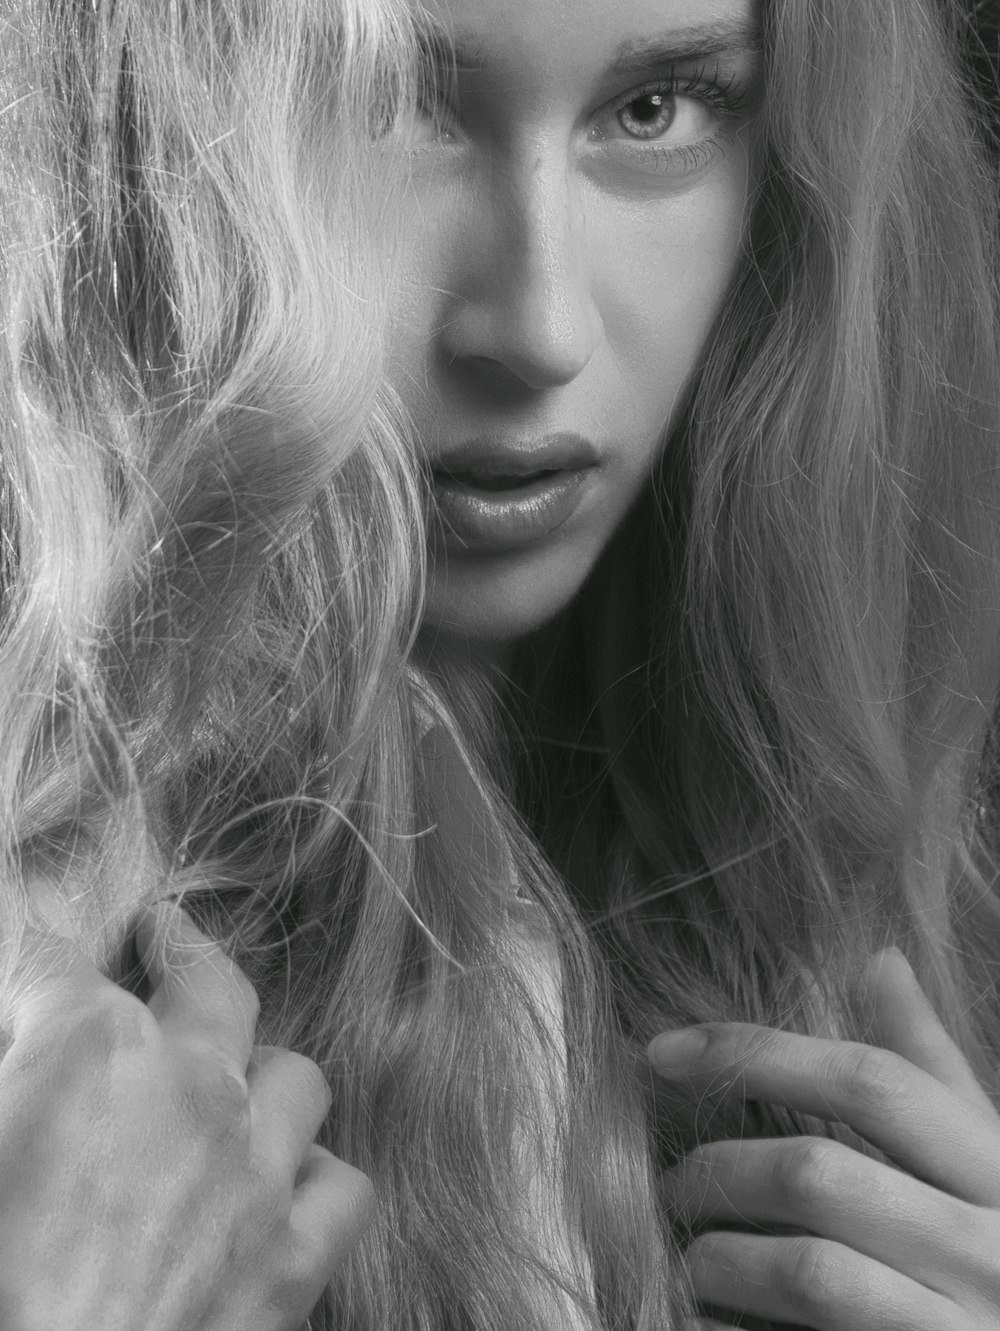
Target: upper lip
point(504, 455)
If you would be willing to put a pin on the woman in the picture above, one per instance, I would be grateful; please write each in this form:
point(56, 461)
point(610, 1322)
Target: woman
point(747, 715)
point(695, 320)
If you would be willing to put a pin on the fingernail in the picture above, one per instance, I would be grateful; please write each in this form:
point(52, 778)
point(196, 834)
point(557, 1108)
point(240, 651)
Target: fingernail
point(674, 1049)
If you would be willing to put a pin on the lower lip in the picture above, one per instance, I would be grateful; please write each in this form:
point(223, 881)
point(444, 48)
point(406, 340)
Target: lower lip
point(494, 520)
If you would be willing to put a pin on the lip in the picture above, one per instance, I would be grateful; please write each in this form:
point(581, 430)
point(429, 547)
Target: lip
point(550, 476)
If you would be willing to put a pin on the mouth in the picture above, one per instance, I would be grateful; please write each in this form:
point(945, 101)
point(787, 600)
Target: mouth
point(489, 482)
point(494, 494)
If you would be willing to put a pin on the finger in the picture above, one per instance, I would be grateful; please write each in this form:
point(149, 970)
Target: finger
point(333, 1208)
point(906, 1113)
point(906, 1023)
point(827, 1189)
point(289, 1101)
point(50, 977)
point(812, 1282)
point(199, 995)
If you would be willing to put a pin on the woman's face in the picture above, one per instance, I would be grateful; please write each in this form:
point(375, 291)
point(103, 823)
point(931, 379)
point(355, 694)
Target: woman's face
point(577, 211)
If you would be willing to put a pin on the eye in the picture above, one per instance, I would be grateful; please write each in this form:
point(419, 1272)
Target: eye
point(417, 127)
point(648, 116)
point(421, 126)
point(658, 113)
point(428, 118)
point(670, 129)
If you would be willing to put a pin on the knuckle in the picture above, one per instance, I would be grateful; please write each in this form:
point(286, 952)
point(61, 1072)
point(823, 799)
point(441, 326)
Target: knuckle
point(215, 1113)
point(695, 1173)
point(313, 1085)
point(110, 1025)
point(807, 1173)
point(351, 1202)
point(293, 1293)
point(304, 1269)
point(216, 1097)
point(710, 1260)
point(360, 1201)
point(808, 1277)
point(870, 1080)
point(969, 1231)
point(311, 1253)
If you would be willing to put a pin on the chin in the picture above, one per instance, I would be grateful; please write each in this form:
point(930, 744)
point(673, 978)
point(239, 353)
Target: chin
point(496, 601)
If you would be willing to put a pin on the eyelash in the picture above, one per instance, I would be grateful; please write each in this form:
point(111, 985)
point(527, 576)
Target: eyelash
point(726, 95)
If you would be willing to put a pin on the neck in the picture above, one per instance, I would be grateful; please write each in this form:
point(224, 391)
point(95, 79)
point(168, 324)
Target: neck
point(449, 655)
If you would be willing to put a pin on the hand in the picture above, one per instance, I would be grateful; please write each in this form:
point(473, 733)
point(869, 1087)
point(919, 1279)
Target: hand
point(911, 1245)
point(156, 1170)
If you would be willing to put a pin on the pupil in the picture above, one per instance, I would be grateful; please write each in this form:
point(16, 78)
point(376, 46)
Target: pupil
point(648, 108)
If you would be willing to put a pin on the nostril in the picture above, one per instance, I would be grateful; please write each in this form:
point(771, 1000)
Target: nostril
point(541, 340)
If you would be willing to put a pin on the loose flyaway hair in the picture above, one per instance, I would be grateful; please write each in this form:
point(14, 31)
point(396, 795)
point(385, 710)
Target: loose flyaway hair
point(747, 764)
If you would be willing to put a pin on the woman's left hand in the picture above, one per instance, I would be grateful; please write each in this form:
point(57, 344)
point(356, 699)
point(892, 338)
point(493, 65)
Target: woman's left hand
point(915, 1247)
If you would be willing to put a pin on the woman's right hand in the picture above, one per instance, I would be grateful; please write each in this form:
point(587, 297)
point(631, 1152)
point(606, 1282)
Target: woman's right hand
point(157, 1170)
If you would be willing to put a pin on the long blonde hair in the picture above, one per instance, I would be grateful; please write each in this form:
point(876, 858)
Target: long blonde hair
point(211, 571)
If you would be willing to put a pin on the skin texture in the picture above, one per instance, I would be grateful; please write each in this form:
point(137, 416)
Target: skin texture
point(907, 1241)
point(562, 273)
point(158, 1169)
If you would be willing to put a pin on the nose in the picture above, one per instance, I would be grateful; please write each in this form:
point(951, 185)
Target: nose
point(523, 307)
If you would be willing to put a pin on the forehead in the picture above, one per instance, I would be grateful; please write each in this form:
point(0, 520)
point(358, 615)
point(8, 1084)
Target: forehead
point(543, 39)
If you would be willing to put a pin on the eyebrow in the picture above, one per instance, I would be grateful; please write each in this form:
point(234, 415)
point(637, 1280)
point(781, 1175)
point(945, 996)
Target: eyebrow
point(674, 46)
point(680, 44)
point(444, 54)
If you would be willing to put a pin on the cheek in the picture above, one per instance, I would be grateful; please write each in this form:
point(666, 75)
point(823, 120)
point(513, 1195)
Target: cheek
point(666, 276)
point(409, 337)
point(415, 311)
